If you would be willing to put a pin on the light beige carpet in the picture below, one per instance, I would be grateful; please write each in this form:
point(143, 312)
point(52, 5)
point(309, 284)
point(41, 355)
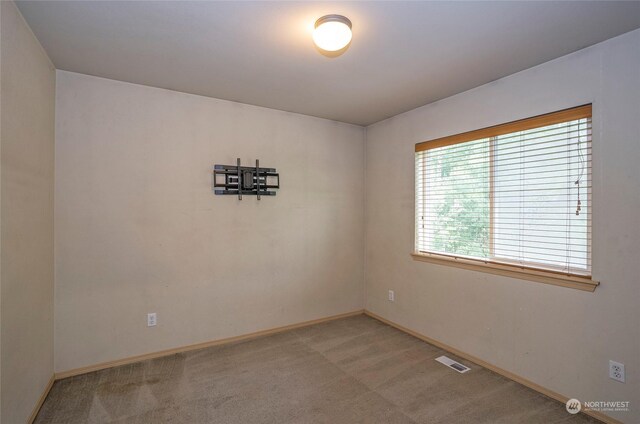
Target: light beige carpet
point(352, 370)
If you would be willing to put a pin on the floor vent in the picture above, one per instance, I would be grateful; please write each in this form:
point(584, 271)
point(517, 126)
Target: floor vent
point(453, 364)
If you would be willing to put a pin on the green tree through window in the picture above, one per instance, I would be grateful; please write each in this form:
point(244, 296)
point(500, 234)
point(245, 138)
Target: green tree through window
point(458, 193)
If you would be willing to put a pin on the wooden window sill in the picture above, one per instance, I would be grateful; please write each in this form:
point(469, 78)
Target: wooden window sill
point(541, 276)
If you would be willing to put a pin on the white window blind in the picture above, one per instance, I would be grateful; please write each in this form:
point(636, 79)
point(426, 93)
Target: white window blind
point(518, 193)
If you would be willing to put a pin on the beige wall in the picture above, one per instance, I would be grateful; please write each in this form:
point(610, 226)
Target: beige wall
point(557, 337)
point(26, 216)
point(139, 230)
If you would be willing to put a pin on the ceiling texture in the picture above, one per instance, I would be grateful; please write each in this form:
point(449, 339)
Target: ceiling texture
point(403, 54)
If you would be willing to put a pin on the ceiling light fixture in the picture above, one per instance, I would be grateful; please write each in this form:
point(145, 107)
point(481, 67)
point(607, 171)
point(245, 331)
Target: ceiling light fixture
point(332, 32)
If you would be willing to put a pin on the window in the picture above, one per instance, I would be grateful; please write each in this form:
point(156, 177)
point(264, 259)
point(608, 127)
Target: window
point(516, 196)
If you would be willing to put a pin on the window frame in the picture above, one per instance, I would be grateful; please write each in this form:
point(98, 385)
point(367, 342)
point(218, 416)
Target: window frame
point(497, 267)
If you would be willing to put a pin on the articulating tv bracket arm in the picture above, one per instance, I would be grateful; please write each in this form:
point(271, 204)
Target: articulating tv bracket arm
point(247, 180)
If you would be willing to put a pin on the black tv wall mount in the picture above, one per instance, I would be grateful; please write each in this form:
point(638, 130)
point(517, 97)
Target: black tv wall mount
point(237, 180)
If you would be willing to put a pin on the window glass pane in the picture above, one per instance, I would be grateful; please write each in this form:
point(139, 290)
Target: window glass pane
point(455, 203)
point(536, 196)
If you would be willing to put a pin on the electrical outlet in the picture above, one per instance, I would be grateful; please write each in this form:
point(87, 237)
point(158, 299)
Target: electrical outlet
point(392, 296)
point(616, 371)
point(151, 320)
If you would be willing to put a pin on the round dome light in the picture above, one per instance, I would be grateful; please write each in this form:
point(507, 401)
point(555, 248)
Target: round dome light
point(332, 32)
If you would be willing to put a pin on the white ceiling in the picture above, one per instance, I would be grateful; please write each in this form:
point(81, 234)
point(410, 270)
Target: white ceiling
point(403, 54)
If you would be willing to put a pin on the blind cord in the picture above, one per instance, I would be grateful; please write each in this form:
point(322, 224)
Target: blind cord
point(521, 198)
point(568, 219)
point(581, 173)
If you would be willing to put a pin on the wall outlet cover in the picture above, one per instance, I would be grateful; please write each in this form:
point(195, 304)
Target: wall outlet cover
point(616, 371)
